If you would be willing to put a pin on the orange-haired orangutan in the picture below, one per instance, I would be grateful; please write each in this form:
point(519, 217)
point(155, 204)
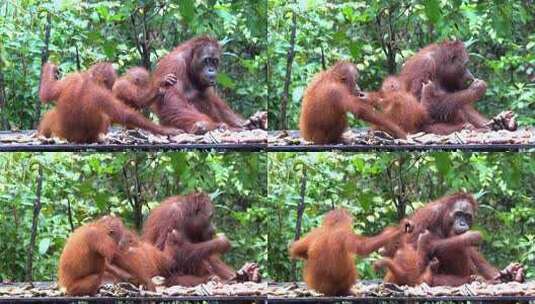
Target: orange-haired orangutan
point(403, 109)
point(191, 216)
point(138, 90)
point(140, 261)
point(399, 107)
point(415, 265)
point(85, 105)
point(327, 100)
point(88, 251)
point(192, 104)
point(329, 252)
point(445, 218)
point(454, 88)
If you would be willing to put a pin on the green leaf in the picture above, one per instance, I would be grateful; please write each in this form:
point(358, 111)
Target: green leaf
point(187, 10)
point(44, 244)
point(225, 15)
point(94, 17)
point(224, 80)
point(297, 94)
point(110, 48)
point(355, 49)
point(443, 163)
point(432, 10)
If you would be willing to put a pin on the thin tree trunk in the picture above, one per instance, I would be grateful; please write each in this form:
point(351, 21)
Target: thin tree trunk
point(3, 116)
point(135, 198)
point(4, 121)
point(146, 44)
point(323, 63)
point(44, 59)
point(143, 45)
point(17, 235)
point(127, 187)
point(36, 212)
point(300, 211)
point(138, 206)
point(78, 65)
point(283, 120)
point(69, 214)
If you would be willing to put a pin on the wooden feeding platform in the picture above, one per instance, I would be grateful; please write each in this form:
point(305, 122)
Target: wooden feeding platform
point(357, 140)
point(48, 292)
point(266, 292)
point(119, 139)
point(363, 140)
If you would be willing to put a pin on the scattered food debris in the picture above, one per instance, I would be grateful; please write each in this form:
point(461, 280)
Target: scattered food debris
point(279, 290)
point(379, 289)
point(371, 137)
point(120, 136)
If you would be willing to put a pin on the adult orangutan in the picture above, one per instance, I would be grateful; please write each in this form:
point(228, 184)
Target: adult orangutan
point(411, 115)
point(192, 104)
point(445, 218)
point(191, 216)
point(412, 265)
point(455, 88)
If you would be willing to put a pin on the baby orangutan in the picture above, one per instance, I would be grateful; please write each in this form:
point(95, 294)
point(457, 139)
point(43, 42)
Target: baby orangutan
point(413, 266)
point(399, 107)
point(138, 262)
point(329, 252)
point(138, 90)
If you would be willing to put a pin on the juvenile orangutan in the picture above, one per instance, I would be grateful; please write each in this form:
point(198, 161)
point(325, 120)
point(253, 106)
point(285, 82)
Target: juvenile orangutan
point(329, 252)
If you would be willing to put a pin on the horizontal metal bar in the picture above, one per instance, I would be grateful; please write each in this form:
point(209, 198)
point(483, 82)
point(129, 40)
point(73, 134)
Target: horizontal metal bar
point(36, 146)
point(258, 147)
point(263, 147)
point(138, 147)
point(228, 299)
point(390, 145)
point(399, 299)
point(262, 299)
point(390, 148)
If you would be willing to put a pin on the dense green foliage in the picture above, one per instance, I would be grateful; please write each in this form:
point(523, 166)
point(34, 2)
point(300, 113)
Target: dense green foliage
point(128, 33)
point(77, 188)
point(380, 189)
point(379, 35)
point(257, 195)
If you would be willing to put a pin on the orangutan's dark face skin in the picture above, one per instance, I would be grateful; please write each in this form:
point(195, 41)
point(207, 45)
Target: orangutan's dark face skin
point(205, 64)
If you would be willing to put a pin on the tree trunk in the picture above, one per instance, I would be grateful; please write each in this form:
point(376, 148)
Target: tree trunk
point(283, 120)
point(143, 44)
point(4, 121)
point(36, 212)
point(44, 59)
point(145, 56)
point(138, 202)
point(300, 211)
point(69, 214)
point(78, 65)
